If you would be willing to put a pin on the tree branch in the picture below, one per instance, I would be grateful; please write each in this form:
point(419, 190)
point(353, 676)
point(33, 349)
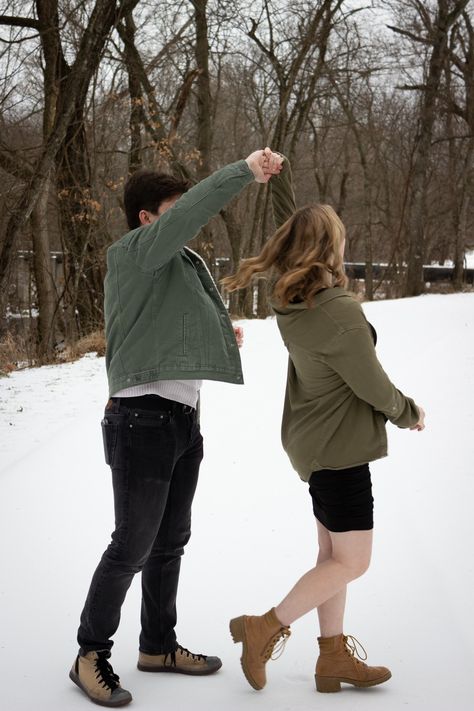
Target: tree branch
point(412, 87)
point(20, 40)
point(13, 21)
point(181, 100)
point(407, 33)
point(269, 54)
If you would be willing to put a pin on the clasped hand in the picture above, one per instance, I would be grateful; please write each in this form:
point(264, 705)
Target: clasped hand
point(264, 164)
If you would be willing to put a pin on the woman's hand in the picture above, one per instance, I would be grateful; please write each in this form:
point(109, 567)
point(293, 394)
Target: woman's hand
point(239, 335)
point(264, 164)
point(420, 425)
point(273, 161)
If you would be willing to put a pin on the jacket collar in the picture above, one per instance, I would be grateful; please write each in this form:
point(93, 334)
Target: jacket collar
point(191, 253)
point(335, 292)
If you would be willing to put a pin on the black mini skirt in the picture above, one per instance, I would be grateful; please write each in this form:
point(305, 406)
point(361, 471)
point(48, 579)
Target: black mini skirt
point(342, 498)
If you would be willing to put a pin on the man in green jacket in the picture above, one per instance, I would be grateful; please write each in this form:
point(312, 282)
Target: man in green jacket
point(167, 330)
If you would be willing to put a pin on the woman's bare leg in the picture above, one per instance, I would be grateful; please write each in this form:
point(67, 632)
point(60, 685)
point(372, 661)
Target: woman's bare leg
point(350, 558)
point(331, 612)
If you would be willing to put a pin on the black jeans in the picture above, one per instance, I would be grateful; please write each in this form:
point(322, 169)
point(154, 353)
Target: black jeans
point(154, 448)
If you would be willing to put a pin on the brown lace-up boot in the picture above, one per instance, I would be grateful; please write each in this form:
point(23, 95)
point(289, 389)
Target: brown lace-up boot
point(259, 635)
point(337, 663)
point(94, 675)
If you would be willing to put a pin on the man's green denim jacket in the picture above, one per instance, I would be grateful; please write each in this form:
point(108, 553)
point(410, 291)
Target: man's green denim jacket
point(164, 317)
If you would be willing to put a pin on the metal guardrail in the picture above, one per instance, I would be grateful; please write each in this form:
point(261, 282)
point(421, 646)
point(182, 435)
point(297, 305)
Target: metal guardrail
point(354, 270)
point(433, 272)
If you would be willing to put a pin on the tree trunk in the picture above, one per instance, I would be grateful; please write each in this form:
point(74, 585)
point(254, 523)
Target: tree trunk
point(128, 29)
point(204, 100)
point(465, 66)
point(346, 104)
point(47, 302)
point(462, 225)
point(203, 243)
point(78, 214)
point(263, 309)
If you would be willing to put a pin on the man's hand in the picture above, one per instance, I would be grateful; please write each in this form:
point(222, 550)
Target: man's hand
point(264, 164)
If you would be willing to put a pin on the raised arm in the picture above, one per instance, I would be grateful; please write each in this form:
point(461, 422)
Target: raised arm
point(283, 197)
point(154, 245)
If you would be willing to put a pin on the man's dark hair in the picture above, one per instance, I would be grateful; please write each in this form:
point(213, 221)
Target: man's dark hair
point(146, 190)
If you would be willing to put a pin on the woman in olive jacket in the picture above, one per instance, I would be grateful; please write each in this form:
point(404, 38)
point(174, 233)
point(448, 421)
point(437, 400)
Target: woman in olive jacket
point(338, 400)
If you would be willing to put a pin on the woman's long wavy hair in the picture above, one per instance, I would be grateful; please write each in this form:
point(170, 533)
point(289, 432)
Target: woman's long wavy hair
point(301, 258)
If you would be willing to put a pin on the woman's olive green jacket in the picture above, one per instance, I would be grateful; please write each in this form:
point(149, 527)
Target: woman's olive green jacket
point(338, 397)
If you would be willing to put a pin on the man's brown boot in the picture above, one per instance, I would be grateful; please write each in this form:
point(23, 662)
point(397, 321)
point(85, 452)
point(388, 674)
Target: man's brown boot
point(337, 663)
point(259, 636)
point(181, 661)
point(94, 675)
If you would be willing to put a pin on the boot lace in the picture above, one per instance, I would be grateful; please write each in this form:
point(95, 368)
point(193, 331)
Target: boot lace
point(353, 646)
point(104, 672)
point(276, 645)
point(187, 653)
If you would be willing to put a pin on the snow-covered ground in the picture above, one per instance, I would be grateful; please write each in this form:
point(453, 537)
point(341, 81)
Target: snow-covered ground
point(253, 531)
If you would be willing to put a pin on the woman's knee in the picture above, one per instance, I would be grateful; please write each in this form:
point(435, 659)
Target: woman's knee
point(361, 566)
point(356, 566)
point(353, 550)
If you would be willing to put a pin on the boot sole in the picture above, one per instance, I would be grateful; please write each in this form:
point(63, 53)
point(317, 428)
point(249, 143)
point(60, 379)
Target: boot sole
point(75, 678)
point(237, 631)
point(329, 684)
point(175, 670)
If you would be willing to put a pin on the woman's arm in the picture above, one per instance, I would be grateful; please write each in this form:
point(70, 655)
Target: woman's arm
point(352, 355)
point(283, 197)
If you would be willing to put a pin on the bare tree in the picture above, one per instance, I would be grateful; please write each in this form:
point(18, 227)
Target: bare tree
point(73, 86)
point(461, 55)
point(430, 29)
point(293, 45)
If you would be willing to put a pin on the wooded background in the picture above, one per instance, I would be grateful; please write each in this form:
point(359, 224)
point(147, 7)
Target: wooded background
point(373, 103)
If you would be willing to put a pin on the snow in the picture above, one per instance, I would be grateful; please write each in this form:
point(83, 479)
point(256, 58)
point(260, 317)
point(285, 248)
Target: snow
point(253, 531)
